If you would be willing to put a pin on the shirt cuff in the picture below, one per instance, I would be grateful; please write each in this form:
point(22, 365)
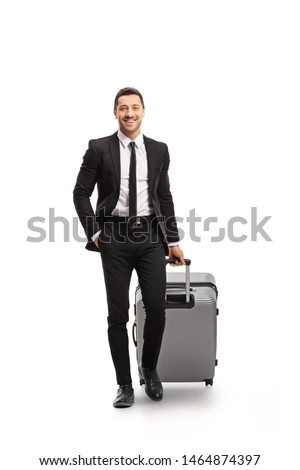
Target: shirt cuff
point(96, 235)
point(173, 244)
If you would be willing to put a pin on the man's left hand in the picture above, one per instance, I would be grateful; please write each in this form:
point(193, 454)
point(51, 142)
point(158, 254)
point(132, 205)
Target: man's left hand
point(176, 252)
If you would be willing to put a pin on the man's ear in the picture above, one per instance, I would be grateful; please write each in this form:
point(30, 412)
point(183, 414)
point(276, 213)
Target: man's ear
point(115, 113)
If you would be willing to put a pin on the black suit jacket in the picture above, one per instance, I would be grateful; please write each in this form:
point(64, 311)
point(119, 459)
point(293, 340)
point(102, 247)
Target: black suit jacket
point(101, 166)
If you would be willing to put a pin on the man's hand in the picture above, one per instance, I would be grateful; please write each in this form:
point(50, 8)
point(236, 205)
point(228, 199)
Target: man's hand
point(176, 252)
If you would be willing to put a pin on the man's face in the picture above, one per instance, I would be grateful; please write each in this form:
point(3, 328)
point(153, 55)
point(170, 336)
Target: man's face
point(129, 113)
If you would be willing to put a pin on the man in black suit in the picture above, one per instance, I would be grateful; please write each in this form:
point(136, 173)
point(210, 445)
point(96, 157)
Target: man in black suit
point(134, 227)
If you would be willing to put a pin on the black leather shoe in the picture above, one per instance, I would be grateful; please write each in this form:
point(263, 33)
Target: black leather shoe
point(125, 397)
point(153, 386)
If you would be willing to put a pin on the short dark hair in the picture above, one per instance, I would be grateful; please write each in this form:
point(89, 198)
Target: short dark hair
point(127, 91)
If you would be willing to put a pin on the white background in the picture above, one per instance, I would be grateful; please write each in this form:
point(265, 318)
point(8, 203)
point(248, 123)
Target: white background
point(220, 81)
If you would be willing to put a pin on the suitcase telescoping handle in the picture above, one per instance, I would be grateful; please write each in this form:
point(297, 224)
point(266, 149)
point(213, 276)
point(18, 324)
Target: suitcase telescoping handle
point(187, 275)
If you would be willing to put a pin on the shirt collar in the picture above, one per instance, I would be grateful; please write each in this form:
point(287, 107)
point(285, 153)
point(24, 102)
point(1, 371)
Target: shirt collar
point(125, 141)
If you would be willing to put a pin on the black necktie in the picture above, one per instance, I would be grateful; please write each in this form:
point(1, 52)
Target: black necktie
point(132, 185)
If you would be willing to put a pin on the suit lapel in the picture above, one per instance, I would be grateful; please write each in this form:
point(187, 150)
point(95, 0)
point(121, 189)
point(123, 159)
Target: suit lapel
point(114, 146)
point(151, 157)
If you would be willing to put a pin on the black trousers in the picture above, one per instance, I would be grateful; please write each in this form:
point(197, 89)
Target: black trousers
point(123, 249)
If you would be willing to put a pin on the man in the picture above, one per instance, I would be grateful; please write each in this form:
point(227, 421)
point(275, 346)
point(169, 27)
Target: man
point(134, 227)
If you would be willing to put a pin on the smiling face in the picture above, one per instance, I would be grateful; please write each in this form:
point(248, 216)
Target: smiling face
point(130, 113)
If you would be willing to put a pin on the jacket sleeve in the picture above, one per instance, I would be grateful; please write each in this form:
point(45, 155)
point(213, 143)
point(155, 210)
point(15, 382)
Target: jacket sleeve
point(166, 201)
point(84, 187)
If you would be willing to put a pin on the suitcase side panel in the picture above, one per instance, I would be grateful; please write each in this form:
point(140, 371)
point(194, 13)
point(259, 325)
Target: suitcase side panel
point(188, 351)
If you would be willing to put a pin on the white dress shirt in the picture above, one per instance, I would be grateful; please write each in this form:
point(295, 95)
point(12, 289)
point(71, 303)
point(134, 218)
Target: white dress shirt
point(144, 206)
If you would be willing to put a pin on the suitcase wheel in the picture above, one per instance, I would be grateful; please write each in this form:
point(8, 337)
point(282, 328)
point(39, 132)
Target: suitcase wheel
point(208, 382)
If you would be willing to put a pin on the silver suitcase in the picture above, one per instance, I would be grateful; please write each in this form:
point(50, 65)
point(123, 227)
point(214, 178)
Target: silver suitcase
point(188, 351)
